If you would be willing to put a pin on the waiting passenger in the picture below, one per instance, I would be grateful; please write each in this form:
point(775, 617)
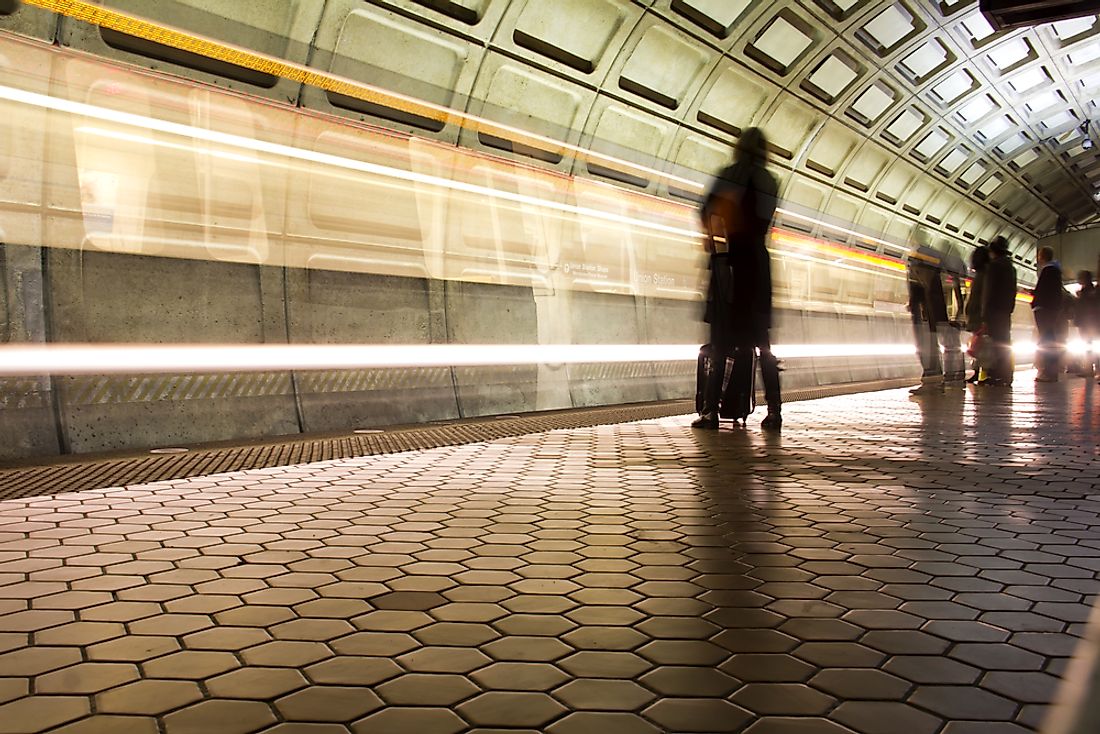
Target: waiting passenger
point(998, 303)
point(1048, 306)
point(1086, 316)
point(979, 259)
point(737, 214)
point(928, 307)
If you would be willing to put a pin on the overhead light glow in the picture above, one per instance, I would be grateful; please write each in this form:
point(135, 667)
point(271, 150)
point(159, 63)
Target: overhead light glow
point(130, 359)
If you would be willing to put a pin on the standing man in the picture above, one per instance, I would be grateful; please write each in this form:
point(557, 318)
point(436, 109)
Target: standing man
point(1047, 306)
point(737, 215)
point(998, 303)
point(928, 308)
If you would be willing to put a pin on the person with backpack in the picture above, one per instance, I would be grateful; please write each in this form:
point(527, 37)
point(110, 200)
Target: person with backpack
point(736, 215)
point(1048, 307)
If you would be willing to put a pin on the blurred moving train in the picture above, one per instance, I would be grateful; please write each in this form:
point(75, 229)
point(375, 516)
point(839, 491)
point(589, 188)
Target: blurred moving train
point(138, 208)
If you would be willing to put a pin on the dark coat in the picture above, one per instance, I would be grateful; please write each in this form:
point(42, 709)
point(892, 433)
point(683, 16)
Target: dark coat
point(974, 302)
point(739, 301)
point(999, 293)
point(1048, 290)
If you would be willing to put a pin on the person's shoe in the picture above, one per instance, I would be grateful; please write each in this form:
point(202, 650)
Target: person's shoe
point(707, 420)
point(773, 421)
point(927, 388)
point(1046, 378)
point(973, 379)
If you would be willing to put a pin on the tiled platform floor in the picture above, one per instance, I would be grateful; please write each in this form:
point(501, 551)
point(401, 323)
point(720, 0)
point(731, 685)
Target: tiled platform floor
point(886, 565)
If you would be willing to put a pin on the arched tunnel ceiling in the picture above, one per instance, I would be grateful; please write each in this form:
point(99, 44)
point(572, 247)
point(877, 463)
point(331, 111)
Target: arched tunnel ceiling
point(885, 114)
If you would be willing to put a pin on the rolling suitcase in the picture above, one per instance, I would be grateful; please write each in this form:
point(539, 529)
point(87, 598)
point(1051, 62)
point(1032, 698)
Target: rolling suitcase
point(738, 385)
point(739, 391)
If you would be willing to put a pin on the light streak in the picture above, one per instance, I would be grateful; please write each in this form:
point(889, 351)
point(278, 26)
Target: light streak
point(131, 359)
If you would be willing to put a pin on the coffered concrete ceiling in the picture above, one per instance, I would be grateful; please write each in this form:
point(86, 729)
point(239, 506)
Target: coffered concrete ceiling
point(896, 117)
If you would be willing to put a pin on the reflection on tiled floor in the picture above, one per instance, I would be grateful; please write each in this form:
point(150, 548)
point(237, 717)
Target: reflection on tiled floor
point(886, 566)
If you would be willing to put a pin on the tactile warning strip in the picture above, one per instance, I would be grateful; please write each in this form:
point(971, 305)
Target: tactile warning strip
point(122, 470)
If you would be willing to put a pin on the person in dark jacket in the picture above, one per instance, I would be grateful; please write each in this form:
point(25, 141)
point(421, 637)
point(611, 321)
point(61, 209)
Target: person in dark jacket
point(1048, 306)
point(1086, 316)
point(998, 303)
point(737, 214)
point(979, 259)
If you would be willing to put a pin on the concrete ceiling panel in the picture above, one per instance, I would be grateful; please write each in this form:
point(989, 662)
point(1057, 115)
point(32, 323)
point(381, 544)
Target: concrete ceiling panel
point(376, 46)
point(532, 100)
point(735, 100)
point(789, 126)
point(844, 207)
point(807, 193)
point(664, 67)
point(872, 103)
point(466, 13)
point(866, 167)
point(831, 148)
point(833, 75)
point(630, 133)
point(281, 28)
point(717, 16)
point(784, 40)
point(576, 33)
point(891, 189)
point(698, 153)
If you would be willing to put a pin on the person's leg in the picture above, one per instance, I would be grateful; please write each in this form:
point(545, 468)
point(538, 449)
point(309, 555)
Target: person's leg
point(1046, 358)
point(954, 364)
point(769, 371)
point(712, 391)
point(928, 349)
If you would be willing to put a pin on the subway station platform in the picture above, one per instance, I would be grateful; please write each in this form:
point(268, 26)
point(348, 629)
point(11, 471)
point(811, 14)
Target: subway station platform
point(885, 565)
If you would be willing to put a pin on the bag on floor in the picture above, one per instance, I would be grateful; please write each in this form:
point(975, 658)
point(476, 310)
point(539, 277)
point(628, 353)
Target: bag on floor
point(739, 391)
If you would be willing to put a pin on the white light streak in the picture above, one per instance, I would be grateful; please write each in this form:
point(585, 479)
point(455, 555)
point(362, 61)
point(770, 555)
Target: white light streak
point(129, 359)
point(261, 146)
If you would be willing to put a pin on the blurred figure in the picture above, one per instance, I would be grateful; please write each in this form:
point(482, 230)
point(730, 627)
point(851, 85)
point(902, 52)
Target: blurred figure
point(928, 307)
point(998, 303)
point(1048, 307)
point(737, 214)
point(1086, 316)
point(979, 259)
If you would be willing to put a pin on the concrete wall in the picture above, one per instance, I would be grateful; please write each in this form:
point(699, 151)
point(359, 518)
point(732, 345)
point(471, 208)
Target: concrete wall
point(1077, 250)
